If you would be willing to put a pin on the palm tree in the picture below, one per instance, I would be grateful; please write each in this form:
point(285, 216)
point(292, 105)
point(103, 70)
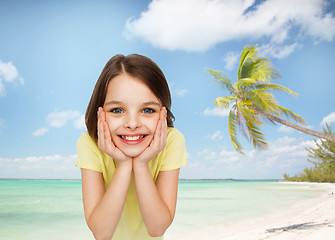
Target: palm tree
point(251, 103)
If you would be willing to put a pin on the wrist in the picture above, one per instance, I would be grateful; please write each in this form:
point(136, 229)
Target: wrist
point(138, 165)
point(124, 165)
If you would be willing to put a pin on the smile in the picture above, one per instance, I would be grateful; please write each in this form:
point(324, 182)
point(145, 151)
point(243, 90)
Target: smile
point(132, 138)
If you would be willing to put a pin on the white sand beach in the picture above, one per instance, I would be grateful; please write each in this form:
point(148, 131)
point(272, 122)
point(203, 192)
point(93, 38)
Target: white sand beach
point(310, 220)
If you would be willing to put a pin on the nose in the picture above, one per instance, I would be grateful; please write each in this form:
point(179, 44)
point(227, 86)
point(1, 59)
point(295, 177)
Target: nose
point(132, 121)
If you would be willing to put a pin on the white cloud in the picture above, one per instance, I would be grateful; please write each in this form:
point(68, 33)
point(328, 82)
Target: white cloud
point(217, 135)
point(230, 60)
point(207, 154)
point(197, 25)
point(59, 119)
point(80, 122)
point(270, 161)
point(284, 141)
point(330, 118)
point(284, 155)
point(40, 131)
point(278, 50)
point(181, 92)
point(216, 112)
point(286, 151)
point(53, 166)
point(177, 91)
point(228, 157)
point(193, 167)
point(9, 74)
point(285, 129)
point(221, 156)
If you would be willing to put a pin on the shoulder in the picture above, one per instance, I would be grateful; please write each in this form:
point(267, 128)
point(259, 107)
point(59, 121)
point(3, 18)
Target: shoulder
point(89, 155)
point(174, 134)
point(174, 154)
point(86, 143)
point(85, 139)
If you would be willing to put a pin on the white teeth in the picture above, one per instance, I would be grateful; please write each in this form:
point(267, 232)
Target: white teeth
point(134, 138)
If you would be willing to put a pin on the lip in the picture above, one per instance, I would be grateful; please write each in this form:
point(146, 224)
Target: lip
point(132, 142)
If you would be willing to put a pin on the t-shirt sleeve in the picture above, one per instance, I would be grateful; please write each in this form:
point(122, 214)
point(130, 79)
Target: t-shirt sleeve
point(88, 153)
point(175, 155)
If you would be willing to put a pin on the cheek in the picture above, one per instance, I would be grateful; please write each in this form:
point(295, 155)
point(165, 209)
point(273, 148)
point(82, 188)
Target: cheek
point(152, 124)
point(113, 123)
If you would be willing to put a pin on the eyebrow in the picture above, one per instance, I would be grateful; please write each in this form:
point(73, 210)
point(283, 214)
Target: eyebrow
point(113, 102)
point(151, 103)
point(144, 104)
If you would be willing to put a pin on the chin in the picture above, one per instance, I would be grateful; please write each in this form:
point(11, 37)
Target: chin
point(132, 150)
point(133, 153)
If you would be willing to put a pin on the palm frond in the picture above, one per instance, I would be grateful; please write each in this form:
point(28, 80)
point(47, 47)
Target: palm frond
point(224, 102)
point(245, 83)
point(249, 114)
point(241, 123)
point(276, 87)
point(263, 71)
point(247, 55)
point(252, 124)
point(245, 103)
point(243, 115)
point(254, 66)
point(291, 115)
point(232, 130)
point(257, 138)
point(264, 100)
point(224, 80)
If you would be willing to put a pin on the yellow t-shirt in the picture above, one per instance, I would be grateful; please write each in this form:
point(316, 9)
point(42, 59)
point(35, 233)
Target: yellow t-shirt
point(173, 156)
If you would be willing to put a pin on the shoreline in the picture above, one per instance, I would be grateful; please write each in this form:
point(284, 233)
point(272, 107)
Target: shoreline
point(310, 219)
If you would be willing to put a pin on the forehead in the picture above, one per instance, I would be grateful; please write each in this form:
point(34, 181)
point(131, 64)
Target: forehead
point(126, 88)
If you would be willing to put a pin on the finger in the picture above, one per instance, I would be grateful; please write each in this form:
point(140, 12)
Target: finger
point(98, 122)
point(164, 129)
point(156, 141)
point(164, 117)
point(100, 129)
point(98, 119)
point(103, 115)
point(107, 137)
point(106, 131)
point(159, 125)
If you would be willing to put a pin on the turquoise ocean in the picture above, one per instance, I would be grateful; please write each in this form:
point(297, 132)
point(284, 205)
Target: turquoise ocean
point(52, 209)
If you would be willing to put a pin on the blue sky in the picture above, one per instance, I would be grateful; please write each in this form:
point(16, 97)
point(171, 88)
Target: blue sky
point(52, 52)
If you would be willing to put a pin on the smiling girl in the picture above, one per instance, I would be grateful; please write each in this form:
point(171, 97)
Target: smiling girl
point(131, 155)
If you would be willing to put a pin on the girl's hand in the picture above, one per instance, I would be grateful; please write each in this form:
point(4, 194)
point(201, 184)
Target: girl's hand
point(105, 142)
point(158, 142)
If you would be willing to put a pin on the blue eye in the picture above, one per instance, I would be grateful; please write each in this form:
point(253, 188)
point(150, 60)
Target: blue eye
point(148, 110)
point(117, 110)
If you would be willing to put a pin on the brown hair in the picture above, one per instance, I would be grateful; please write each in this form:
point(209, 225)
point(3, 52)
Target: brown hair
point(138, 66)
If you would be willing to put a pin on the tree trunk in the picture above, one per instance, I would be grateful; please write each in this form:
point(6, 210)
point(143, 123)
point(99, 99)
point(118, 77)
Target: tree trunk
point(296, 126)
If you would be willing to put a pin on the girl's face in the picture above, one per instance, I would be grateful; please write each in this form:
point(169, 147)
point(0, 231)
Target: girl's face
point(132, 113)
